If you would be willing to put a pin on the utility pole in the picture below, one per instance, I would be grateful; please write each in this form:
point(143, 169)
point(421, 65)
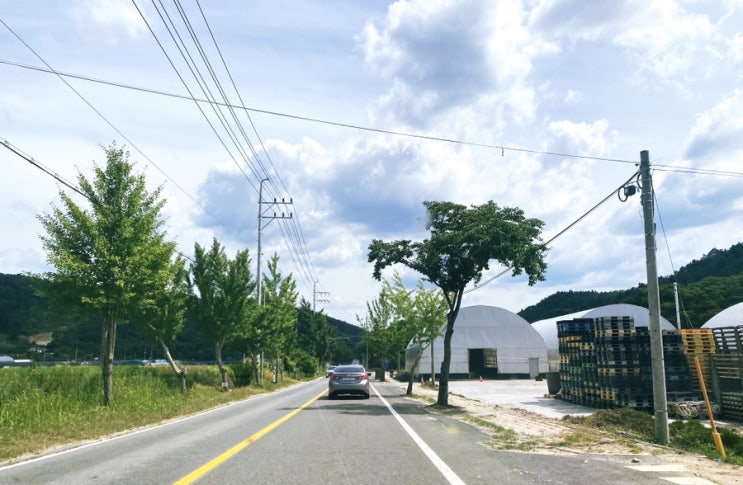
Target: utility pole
point(261, 216)
point(315, 300)
point(676, 300)
point(656, 336)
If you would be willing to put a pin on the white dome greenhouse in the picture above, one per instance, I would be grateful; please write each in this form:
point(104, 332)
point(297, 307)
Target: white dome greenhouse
point(732, 316)
point(487, 341)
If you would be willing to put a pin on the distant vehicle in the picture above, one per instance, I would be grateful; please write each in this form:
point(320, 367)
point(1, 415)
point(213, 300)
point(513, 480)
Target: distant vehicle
point(6, 360)
point(158, 362)
point(329, 370)
point(348, 379)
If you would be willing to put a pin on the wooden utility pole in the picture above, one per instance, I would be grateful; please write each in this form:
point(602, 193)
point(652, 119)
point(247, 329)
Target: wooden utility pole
point(656, 335)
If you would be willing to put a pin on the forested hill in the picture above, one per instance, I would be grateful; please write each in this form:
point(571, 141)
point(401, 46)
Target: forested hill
point(29, 325)
point(706, 286)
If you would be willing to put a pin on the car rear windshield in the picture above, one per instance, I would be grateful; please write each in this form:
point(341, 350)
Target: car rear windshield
point(350, 368)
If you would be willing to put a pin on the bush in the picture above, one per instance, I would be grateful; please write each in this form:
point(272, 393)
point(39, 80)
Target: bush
point(301, 364)
point(242, 373)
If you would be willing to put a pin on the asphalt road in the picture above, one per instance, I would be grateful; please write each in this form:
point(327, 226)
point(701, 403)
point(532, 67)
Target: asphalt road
point(298, 436)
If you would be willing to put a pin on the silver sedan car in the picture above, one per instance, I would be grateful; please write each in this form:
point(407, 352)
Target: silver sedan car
point(348, 379)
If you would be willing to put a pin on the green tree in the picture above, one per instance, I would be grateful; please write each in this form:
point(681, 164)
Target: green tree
point(381, 331)
point(278, 310)
point(422, 315)
point(313, 332)
point(461, 245)
point(223, 304)
point(163, 310)
point(108, 257)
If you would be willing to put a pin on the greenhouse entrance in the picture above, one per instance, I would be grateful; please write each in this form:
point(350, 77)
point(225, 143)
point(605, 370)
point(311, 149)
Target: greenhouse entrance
point(483, 363)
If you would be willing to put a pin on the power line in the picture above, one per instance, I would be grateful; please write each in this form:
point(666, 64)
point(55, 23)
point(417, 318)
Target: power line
point(502, 148)
point(659, 167)
point(41, 167)
point(563, 231)
point(292, 235)
point(106, 120)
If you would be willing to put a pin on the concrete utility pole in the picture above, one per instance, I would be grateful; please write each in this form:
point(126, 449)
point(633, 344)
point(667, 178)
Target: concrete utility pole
point(656, 336)
point(261, 217)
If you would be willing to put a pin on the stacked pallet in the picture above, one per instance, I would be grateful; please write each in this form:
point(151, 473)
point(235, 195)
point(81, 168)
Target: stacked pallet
point(606, 363)
point(700, 343)
point(727, 371)
point(575, 338)
point(617, 361)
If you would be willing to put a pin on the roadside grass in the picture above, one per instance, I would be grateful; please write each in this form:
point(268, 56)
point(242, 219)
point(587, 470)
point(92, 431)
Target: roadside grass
point(43, 407)
point(631, 424)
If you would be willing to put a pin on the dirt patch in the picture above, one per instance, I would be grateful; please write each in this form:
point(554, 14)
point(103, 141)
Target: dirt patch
point(516, 429)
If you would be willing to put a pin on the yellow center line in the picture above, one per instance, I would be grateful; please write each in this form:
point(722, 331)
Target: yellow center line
point(211, 465)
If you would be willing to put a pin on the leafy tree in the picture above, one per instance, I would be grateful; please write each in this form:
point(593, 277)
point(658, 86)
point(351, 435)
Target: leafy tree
point(224, 305)
point(313, 333)
point(278, 310)
point(381, 330)
point(422, 315)
point(106, 257)
point(462, 243)
point(163, 310)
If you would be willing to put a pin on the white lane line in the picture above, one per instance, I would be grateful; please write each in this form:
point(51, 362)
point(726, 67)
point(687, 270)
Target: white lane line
point(448, 473)
point(675, 467)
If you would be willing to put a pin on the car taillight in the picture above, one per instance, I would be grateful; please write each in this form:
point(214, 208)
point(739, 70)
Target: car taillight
point(334, 377)
point(363, 376)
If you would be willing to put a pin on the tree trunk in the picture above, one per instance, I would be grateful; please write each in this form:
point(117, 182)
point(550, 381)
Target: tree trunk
point(443, 397)
point(256, 369)
point(220, 364)
point(108, 344)
point(182, 373)
point(409, 391)
point(433, 368)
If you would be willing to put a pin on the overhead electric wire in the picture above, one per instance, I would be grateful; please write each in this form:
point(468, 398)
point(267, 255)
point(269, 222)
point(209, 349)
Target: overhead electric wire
point(183, 81)
point(106, 120)
point(670, 257)
point(239, 97)
point(663, 168)
point(563, 231)
point(41, 167)
point(218, 85)
point(295, 244)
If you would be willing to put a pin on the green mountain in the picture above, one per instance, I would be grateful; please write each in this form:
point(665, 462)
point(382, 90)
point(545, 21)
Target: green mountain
point(706, 286)
point(31, 328)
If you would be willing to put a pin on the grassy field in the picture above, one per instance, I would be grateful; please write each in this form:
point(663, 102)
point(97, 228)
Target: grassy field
point(41, 407)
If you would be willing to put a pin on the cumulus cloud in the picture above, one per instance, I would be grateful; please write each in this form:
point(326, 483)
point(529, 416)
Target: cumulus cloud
point(665, 38)
point(115, 17)
point(717, 131)
point(441, 54)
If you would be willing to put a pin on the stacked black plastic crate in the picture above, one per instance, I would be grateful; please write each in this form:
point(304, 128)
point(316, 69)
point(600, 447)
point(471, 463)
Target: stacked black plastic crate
point(575, 340)
point(617, 361)
point(676, 368)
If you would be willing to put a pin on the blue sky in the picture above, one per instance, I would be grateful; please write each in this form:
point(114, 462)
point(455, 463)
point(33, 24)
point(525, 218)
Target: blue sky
point(599, 80)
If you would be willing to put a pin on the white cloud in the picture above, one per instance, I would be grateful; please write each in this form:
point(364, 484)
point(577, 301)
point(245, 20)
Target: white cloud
point(442, 54)
point(113, 17)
